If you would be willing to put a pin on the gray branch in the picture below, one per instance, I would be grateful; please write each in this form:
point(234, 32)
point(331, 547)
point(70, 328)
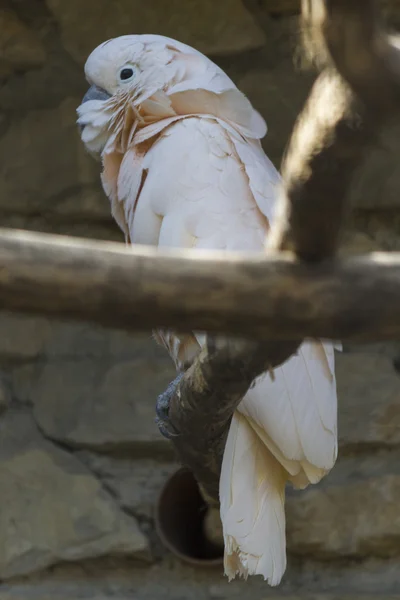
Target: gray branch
point(258, 297)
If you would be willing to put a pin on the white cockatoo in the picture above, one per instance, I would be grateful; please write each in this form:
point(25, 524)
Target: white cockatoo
point(183, 167)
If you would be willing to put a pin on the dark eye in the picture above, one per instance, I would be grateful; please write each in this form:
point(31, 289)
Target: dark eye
point(126, 73)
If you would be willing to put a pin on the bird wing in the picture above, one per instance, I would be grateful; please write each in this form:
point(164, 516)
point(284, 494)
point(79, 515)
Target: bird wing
point(294, 411)
point(207, 204)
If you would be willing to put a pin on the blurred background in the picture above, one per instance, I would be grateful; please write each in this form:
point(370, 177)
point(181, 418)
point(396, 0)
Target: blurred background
point(81, 460)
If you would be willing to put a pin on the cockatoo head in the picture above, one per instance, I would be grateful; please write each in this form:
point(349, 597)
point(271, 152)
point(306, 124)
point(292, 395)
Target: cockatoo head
point(137, 80)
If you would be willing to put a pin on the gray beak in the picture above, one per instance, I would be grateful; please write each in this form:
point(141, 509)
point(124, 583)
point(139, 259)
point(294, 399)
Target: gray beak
point(94, 93)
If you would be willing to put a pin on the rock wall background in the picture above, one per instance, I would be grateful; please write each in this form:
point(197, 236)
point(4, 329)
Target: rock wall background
point(81, 461)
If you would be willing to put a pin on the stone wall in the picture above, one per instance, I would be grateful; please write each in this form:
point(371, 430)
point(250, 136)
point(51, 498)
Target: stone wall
point(81, 461)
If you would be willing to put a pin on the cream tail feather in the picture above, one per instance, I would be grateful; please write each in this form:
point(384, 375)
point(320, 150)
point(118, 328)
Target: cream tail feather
point(196, 176)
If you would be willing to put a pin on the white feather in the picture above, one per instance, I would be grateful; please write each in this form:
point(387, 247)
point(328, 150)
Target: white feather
point(253, 506)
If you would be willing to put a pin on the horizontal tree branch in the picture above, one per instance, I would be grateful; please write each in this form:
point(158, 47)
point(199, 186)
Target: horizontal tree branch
point(140, 288)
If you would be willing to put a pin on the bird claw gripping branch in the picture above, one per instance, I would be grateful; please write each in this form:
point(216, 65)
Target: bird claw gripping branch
point(166, 428)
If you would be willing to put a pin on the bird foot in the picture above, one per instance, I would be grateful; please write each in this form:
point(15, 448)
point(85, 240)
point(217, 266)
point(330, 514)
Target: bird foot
point(162, 410)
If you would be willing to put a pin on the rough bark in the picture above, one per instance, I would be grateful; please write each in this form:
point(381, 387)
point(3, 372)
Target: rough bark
point(354, 98)
point(139, 288)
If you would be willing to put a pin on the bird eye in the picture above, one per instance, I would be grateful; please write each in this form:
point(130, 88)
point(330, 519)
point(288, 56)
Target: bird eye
point(126, 73)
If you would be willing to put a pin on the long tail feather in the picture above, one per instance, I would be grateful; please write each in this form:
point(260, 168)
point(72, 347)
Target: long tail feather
point(252, 497)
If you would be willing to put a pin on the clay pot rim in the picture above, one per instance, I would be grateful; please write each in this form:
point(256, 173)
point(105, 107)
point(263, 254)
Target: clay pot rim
point(206, 562)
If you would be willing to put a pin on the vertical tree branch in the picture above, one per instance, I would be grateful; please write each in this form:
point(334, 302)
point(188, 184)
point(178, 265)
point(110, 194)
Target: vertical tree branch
point(354, 97)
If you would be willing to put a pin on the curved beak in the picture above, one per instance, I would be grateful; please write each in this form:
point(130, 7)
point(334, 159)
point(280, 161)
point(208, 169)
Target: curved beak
point(94, 93)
